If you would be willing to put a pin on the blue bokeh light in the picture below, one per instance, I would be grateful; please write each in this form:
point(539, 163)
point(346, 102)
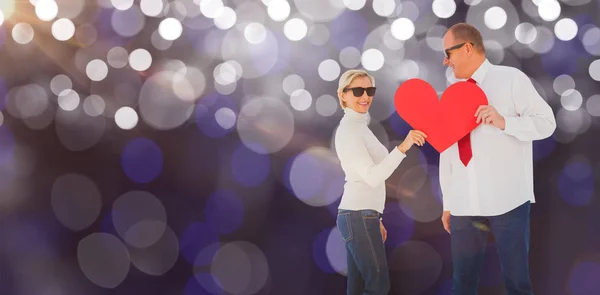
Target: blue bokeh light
point(315, 177)
point(583, 20)
point(445, 288)
point(193, 287)
point(335, 250)
point(399, 226)
point(271, 55)
point(128, 21)
point(285, 50)
point(194, 240)
point(142, 160)
point(399, 125)
point(7, 145)
point(423, 160)
point(310, 176)
point(286, 174)
point(335, 186)
point(305, 66)
point(593, 220)
point(333, 207)
point(210, 42)
point(554, 62)
point(205, 111)
point(434, 182)
point(104, 28)
point(107, 225)
point(349, 29)
point(543, 148)
point(3, 86)
point(209, 283)
point(320, 253)
point(441, 244)
point(583, 279)
point(6, 178)
point(224, 211)
point(2, 38)
point(576, 183)
point(248, 167)
point(289, 271)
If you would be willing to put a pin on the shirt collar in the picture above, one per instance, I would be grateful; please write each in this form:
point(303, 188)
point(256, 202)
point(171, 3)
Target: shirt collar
point(480, 73)
point(353, 115)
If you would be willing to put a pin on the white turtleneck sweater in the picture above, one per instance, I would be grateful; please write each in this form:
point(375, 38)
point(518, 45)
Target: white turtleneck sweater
point(365, 161)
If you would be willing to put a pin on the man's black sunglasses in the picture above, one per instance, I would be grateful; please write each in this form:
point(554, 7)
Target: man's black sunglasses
point(447, 51)
point(358, 91)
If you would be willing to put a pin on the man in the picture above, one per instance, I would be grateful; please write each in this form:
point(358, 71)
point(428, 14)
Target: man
point(487, 177)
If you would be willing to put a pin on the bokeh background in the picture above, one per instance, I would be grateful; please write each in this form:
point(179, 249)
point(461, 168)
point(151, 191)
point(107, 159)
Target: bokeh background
point(186, 146)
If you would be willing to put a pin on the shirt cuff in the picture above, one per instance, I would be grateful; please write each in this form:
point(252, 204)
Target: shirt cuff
point(397, 155)
point(509, 125)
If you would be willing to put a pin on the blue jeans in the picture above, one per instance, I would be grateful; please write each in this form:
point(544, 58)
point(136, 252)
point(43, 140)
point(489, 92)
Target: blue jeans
point(468, 237)
point(368, 272)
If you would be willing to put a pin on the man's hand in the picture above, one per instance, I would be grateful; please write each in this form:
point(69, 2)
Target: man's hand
point(383, 231)
point(446, 220)
point(488, 115)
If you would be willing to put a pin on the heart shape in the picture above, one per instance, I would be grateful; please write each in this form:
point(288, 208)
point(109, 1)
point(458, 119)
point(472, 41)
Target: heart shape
point(445, 121)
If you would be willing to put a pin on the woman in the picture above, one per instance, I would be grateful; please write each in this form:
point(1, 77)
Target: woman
point(367, 164)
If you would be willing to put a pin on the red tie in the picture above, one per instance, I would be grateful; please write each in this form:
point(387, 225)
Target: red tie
point(464, 144)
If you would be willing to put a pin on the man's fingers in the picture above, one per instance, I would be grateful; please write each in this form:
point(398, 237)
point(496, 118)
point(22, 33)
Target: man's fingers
point(479, 118)
point(488, 120)
point(480, 113)
point(479, 110)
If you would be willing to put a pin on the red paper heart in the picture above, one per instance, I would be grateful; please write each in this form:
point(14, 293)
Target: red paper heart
point(446, 120)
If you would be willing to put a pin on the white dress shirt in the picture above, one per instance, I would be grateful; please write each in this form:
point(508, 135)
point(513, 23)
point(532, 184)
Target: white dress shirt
point(365, 161)
point(499, 176)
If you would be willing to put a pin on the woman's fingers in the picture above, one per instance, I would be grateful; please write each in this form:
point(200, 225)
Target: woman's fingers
point(419, 139)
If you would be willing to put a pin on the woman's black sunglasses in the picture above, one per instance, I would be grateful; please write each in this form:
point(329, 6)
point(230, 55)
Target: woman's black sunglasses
point(358, 91)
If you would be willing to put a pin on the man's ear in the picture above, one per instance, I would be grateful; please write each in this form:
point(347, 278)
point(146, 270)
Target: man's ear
point(470, 49)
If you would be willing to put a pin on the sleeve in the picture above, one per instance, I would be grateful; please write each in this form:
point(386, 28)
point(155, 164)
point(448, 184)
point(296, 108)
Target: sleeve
point(445, 179)
point(535, 118)
point(352, 151)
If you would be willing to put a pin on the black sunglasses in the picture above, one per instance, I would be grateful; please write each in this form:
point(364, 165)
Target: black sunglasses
point(447, 51)
point(358, 91)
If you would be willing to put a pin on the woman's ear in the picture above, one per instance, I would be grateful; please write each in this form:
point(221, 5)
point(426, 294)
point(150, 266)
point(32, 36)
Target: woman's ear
point(341, 98)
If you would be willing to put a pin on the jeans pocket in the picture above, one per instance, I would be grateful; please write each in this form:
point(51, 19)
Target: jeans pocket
point(344, 226)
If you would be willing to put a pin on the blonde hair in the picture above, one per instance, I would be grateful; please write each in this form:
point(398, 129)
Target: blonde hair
point(347, 78)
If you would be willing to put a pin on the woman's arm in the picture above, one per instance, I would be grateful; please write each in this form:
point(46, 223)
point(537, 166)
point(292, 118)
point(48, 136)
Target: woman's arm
point(352, 150)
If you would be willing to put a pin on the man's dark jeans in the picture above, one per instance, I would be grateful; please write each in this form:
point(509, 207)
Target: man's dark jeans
point(469, 235)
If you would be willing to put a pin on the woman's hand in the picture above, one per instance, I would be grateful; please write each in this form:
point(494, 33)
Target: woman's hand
point(414, 137)
point(383, 231)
